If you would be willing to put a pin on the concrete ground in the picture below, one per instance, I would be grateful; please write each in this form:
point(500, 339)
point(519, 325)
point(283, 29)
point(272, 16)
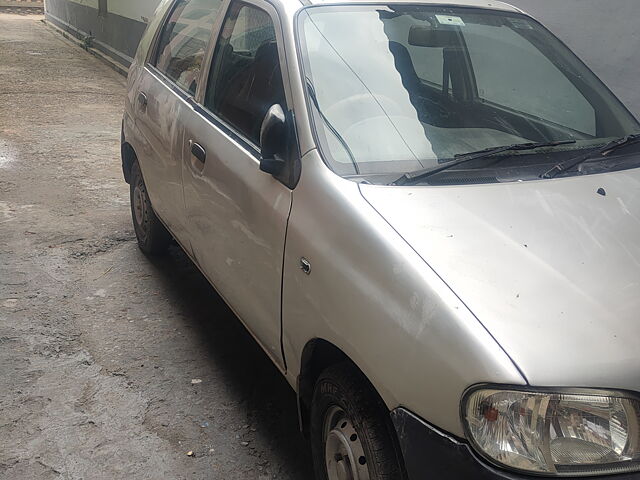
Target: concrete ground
point(22, 6)
point(112, 366)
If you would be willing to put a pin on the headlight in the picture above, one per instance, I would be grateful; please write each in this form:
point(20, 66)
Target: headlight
point(563, 434)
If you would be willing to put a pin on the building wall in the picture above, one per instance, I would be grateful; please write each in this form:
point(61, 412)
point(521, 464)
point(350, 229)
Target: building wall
point(114, 26)
point(603, 33)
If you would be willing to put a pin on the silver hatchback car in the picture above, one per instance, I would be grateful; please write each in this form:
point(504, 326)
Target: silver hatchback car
point(426, 213)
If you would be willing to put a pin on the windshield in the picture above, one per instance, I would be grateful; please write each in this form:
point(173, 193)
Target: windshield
point(401, 88)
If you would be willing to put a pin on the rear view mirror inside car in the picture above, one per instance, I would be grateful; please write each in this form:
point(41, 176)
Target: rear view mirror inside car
point(432, 37)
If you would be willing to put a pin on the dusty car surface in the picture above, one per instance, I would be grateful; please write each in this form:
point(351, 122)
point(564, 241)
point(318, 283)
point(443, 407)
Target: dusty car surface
point(427, 214)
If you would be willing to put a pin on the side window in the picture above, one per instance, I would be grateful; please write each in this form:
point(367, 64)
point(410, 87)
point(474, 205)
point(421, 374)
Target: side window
point(184, 39)
point(245, 78)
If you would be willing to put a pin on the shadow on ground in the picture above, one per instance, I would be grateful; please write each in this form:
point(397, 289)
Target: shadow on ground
point(248, 371)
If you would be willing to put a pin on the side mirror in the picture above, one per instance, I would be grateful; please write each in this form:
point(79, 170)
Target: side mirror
point(273, 138)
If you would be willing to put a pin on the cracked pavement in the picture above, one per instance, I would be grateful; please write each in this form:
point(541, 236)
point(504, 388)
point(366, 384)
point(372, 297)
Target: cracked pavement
point(112, 366)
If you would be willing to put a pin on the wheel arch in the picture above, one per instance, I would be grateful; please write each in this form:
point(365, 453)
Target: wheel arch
point(318, 355)
point(129, 156)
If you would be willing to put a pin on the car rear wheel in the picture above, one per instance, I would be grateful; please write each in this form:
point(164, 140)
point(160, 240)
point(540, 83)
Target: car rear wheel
point(153, 237)
point(352, 437)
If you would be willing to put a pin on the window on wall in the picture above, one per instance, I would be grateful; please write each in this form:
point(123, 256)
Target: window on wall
point(245, 78)
point(184, 39)
point(102, 8)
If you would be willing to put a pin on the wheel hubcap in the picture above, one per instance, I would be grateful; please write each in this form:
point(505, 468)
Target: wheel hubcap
point(139, 207)
point(344, 453)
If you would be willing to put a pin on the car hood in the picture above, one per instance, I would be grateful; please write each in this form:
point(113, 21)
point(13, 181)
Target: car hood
point(551, 268)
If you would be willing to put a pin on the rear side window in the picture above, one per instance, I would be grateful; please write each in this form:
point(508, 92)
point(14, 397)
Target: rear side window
point(245, 78)
point(184, 39)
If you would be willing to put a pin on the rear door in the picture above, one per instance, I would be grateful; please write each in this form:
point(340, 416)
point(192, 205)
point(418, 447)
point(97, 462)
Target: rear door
point(169, 80)
point(237, 215)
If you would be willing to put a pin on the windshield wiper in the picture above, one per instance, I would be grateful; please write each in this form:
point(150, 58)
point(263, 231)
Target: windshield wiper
point(414, 177)
point(608, 149)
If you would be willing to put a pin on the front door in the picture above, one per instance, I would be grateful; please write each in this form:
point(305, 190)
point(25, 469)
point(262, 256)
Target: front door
point(237, 215)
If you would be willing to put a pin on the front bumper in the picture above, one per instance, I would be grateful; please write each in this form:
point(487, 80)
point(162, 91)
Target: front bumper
point(432, 454)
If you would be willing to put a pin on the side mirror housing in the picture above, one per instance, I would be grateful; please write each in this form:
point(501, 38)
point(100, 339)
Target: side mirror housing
point(273, 141)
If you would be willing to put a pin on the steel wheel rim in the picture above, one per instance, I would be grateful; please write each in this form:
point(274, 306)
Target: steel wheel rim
point(140, 208)
point(344, 453)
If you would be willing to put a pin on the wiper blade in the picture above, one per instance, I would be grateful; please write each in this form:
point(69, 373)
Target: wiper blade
point(414, 177)
point(608, 149)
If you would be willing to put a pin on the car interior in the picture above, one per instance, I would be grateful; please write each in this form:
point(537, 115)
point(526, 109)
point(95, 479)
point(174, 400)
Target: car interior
point(249, 86)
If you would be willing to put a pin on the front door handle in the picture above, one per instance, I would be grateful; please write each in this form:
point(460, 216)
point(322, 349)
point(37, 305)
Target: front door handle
point(197, 151)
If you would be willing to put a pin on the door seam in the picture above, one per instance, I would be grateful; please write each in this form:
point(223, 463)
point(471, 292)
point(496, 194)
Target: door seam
point(284, 256)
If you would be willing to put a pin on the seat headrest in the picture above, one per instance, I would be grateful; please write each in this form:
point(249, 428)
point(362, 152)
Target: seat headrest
point(267, 51)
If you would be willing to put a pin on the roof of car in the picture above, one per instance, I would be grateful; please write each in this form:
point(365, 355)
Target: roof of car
point(494, 5)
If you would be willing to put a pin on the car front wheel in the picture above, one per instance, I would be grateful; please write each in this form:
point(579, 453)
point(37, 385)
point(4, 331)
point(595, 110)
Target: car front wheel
point(352, 437)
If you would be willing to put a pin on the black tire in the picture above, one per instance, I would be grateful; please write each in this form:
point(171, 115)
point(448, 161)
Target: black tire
point(367, 421)
point(153, 237)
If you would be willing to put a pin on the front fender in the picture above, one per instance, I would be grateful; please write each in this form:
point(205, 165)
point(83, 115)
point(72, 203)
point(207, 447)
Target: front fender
point(372, 296)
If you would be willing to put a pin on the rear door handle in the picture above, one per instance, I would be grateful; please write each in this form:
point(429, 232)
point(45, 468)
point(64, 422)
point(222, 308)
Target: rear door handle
point(197, 151)
point(142, 99)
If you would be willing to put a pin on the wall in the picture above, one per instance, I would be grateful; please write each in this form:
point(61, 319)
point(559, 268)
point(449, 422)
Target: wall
point(603, 33)
point(115, 29)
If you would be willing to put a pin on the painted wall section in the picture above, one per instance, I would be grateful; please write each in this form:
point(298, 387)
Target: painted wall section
point(140, 10)
point(604, 33)
point(113, 34)
point(133, 9)
point(87, 3)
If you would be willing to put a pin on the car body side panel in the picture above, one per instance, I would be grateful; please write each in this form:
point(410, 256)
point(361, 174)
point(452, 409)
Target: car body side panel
point(131, 133)
point(160, 159)
point(153, 132)
point(373, 297)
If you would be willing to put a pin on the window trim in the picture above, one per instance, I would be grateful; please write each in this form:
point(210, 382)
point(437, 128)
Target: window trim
point(169, 83)
point(229, 130)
